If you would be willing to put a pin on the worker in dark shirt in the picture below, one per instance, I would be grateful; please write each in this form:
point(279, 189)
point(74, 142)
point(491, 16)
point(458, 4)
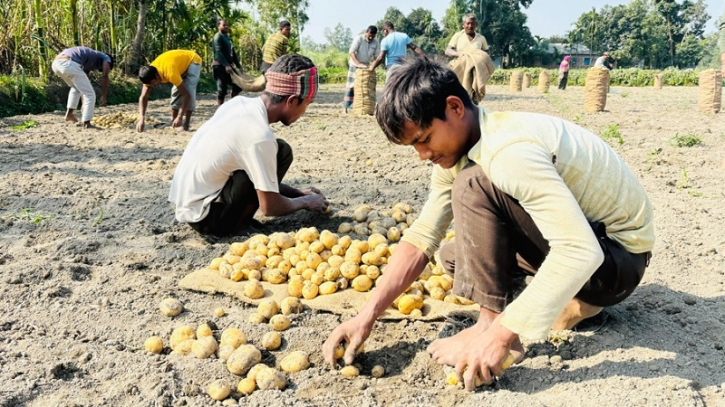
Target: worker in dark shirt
point(225, 58)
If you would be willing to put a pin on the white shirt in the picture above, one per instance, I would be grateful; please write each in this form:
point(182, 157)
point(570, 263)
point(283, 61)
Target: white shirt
point(237, 137)
point(599, 62)
point(365, 51)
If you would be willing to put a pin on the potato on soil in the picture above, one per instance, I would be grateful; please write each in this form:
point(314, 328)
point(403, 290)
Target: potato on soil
point(203, 330)
point(225, 351)
point(242, 359)
point(247, 386)
point(252, 374)
point(362, 283)
point(181, 334)
point(271, 340)
point(219, 312)
point(183, 348)
point(378, 371)
point(295, 362)
point(394, 234)
point(344, 227)
point(270, 379)
point(257, 318)
point(350, 371)
point(280, 322)
point(219, 390)
point(171, 307)
point(291, 305)
point(268, 308)
point(253, 289)
point(204, 347)
point(233, 337)
point(154, 344)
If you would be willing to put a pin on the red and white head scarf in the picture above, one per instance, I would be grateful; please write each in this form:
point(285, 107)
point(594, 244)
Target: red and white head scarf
point(302, 84)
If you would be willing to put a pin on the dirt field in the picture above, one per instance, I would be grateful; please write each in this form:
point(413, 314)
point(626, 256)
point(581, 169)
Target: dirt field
point(89, 247)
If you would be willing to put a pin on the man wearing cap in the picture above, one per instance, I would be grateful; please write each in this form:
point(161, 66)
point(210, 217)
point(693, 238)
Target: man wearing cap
point(233, 165)
point(604, 61)
point(182, 69)
point(73, 66)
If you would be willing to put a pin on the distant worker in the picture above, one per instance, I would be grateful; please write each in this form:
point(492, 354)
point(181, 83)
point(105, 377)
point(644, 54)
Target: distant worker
point(721, 23)
point(472, 64)
point(393, 48)
point(182, 69)
point(364, 49)
point(225, 59)
point(564, 67)
point(604, 61)
point(73, 66)
point(276, 45)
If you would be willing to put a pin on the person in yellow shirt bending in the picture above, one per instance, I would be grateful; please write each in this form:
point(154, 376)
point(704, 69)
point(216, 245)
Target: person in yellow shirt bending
point(182, 69)
point(532, 195)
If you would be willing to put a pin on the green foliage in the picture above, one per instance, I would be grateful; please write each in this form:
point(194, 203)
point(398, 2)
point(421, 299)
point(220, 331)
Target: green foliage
point(612, 132)
point(631, 77)
point(339, 37)
point(28, 124)
point(685, 140)
point(29, 215)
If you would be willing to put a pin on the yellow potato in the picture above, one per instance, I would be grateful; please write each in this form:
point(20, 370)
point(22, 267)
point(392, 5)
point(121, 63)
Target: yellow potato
point(271, 340)
point(313, 260)
point(332, 274)
point(233, 337)
point(246, 386)
point(232, 259)
point(154, 344)
point(219, 390)
point(270, 379)
point(242, 359)
point(328, 239)
point(322, 267)
point(361, 229)
point(349, 269)
point(372, 259)
point(465, 301)
point(284, 241)
point(225, 351)
point(308, 235)
point(214, 265)
point(328, 287)
point(203, 330)
point(171, 307)
point(362, 283)
point(284, 266)
point(416, 313)
point(354, 255)
point(291, 305)
point(294, 287)
point(325, 255)
point(225, 269)
point(239, 248)
point(273, 261)
point(372, 272)
point(451, 298)
point(344, 227)
point(378, 371)
point(267, 308)
point(236, 275)
point(410, 219)
point(253, 289)
point(350, 372)
point(310, 290)
point(295, 362)
point(344, 242)
point(337, 250)
point(426, 273)
point(181, 334)
point(359, 216)
point(394, 234)
point(204, 347)
point(399, 216)
point(257, 318)
point(307, 274)
point(254, 275)
point(408, 303)
point(317, 278)
point(183, 348)
point(252, 374)
point(280, 322)
point(317, 247)
point(382, 250)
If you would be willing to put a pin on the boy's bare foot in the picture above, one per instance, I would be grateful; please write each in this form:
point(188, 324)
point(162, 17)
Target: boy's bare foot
point(89, 126)
point(70, 118)
point(573, 313)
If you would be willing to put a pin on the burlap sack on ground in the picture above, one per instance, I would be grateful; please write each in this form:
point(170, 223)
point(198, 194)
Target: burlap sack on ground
point(364, 88)
point(659, 81)
point(710, 85)
point(544, 82)
point(515, 81)
point(346, 302)
point(473, 69)
point(595, 89)
point(249, 83)
point(527, 80)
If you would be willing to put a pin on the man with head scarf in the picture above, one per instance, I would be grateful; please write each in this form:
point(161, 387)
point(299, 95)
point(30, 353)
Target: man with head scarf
point(233, 165)
point(564, 72)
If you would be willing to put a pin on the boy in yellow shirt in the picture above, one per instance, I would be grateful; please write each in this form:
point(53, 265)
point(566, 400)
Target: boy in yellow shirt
point(182, 69)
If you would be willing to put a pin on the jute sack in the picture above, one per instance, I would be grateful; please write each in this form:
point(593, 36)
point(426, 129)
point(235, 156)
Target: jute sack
point(527, 80)
point(515, 82)
point(659, 81)
point(710, 99)
point(364, 88)
point(595, 89)
point(544, 82)
point(249, 83)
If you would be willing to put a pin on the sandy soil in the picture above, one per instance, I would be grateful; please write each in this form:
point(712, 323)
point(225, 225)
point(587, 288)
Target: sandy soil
point(89, 246)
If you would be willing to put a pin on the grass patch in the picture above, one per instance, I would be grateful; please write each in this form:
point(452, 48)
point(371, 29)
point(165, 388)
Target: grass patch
point(25, 125)
point(685, 140)
point(29, 215)
point(612, 132)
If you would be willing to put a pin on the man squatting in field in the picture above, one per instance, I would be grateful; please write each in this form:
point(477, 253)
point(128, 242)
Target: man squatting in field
point(531, 195)
point(182, 69)
point(73, 66)
point(233, 164)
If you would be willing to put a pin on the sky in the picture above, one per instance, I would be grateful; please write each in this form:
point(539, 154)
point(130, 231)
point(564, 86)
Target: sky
point(545, 17)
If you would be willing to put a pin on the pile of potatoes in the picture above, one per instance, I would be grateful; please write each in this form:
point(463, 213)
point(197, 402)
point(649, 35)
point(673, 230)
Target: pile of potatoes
point(314, 263)
point(118, 120)
point(389, 223)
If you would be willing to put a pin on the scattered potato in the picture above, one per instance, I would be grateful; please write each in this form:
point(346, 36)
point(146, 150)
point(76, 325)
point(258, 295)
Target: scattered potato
point(225, 351)
point(271, 340)
point(219, 312)
point(219, 390)
point(291, 305)
point(295, 362)
point(204, 347)
point(154, 344)
point(280, 322)
point(233, 337)
point(183, 348)
point(247, 386)
point(268, 308)
point(203, 330)
point(350, 371)
point(270, 379)
point(171, 307)
point(242, 359)
point(344, 227)
point(252, 374)
point(253, 289)
point(378, 371)
point(416, 313)
point(257, 318)
point(181, 334)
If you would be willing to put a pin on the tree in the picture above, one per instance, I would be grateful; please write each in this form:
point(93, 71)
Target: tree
point(136, 53)
point(339, 38)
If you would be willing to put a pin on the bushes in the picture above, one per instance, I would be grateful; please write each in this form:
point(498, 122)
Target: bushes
point(619, 77)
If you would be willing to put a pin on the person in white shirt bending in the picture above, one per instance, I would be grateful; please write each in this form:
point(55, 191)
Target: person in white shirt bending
point(234, 165)
point(531, 195)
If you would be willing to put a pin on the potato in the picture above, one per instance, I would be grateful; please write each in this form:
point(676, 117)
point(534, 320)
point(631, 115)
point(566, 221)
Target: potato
point(399, 216)
point(408, 303)
point(441, 281)
point(317, 247)
point(361, 229)
point(308, 235)
point(273, 261)
point(181, 334)
point(362, 283)
point(267, 308)
point(313, 260)
point(154, 344)
point(171, 307)
point(345, 227)
point(204, 347)
point(410, 219)
point(344, 242)
point(214, 265)
point(183, 348)
point(451, 298)
point(339, 352)
point(284, 241)
point(225, 351)
point(280, 322)
point(236, 275)
point(284, 266)
point(328, 239)
point(354, 255)
point(291, 305)
point(225, 270)
point(242, 359)
point(349, 269)
point(270, 379)
point(232, 259)
point(252, 374)
point(252, 263)
point(378, 371)
point(372, 258)
point(295, 362)
point(465, 301)
point(328, 287)
point(382, 250)
point(310, 290)
point(254, 275)
point(426, 273)
point(271, 340)
point(246, 386)
point(257, 318)
point(253, 289)
point(219, 390)
point(323, 267)
point(233, 337)
point(394, 234)
point(416, 313)
point(372, 272)
point(317, 278)
point(437, 293)
point(335, 261)
point(337, 250)
point(359, 216)
point(350, 371)
point(332, 274)
point(294, 287)
point(380, 230)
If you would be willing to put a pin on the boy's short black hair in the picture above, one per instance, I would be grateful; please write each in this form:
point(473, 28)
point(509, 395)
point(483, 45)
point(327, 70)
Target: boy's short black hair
point(416, 92)
point(289, 64)
point(372, 29)
point(284, 23)
point(147, 74)
point(388, 25)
